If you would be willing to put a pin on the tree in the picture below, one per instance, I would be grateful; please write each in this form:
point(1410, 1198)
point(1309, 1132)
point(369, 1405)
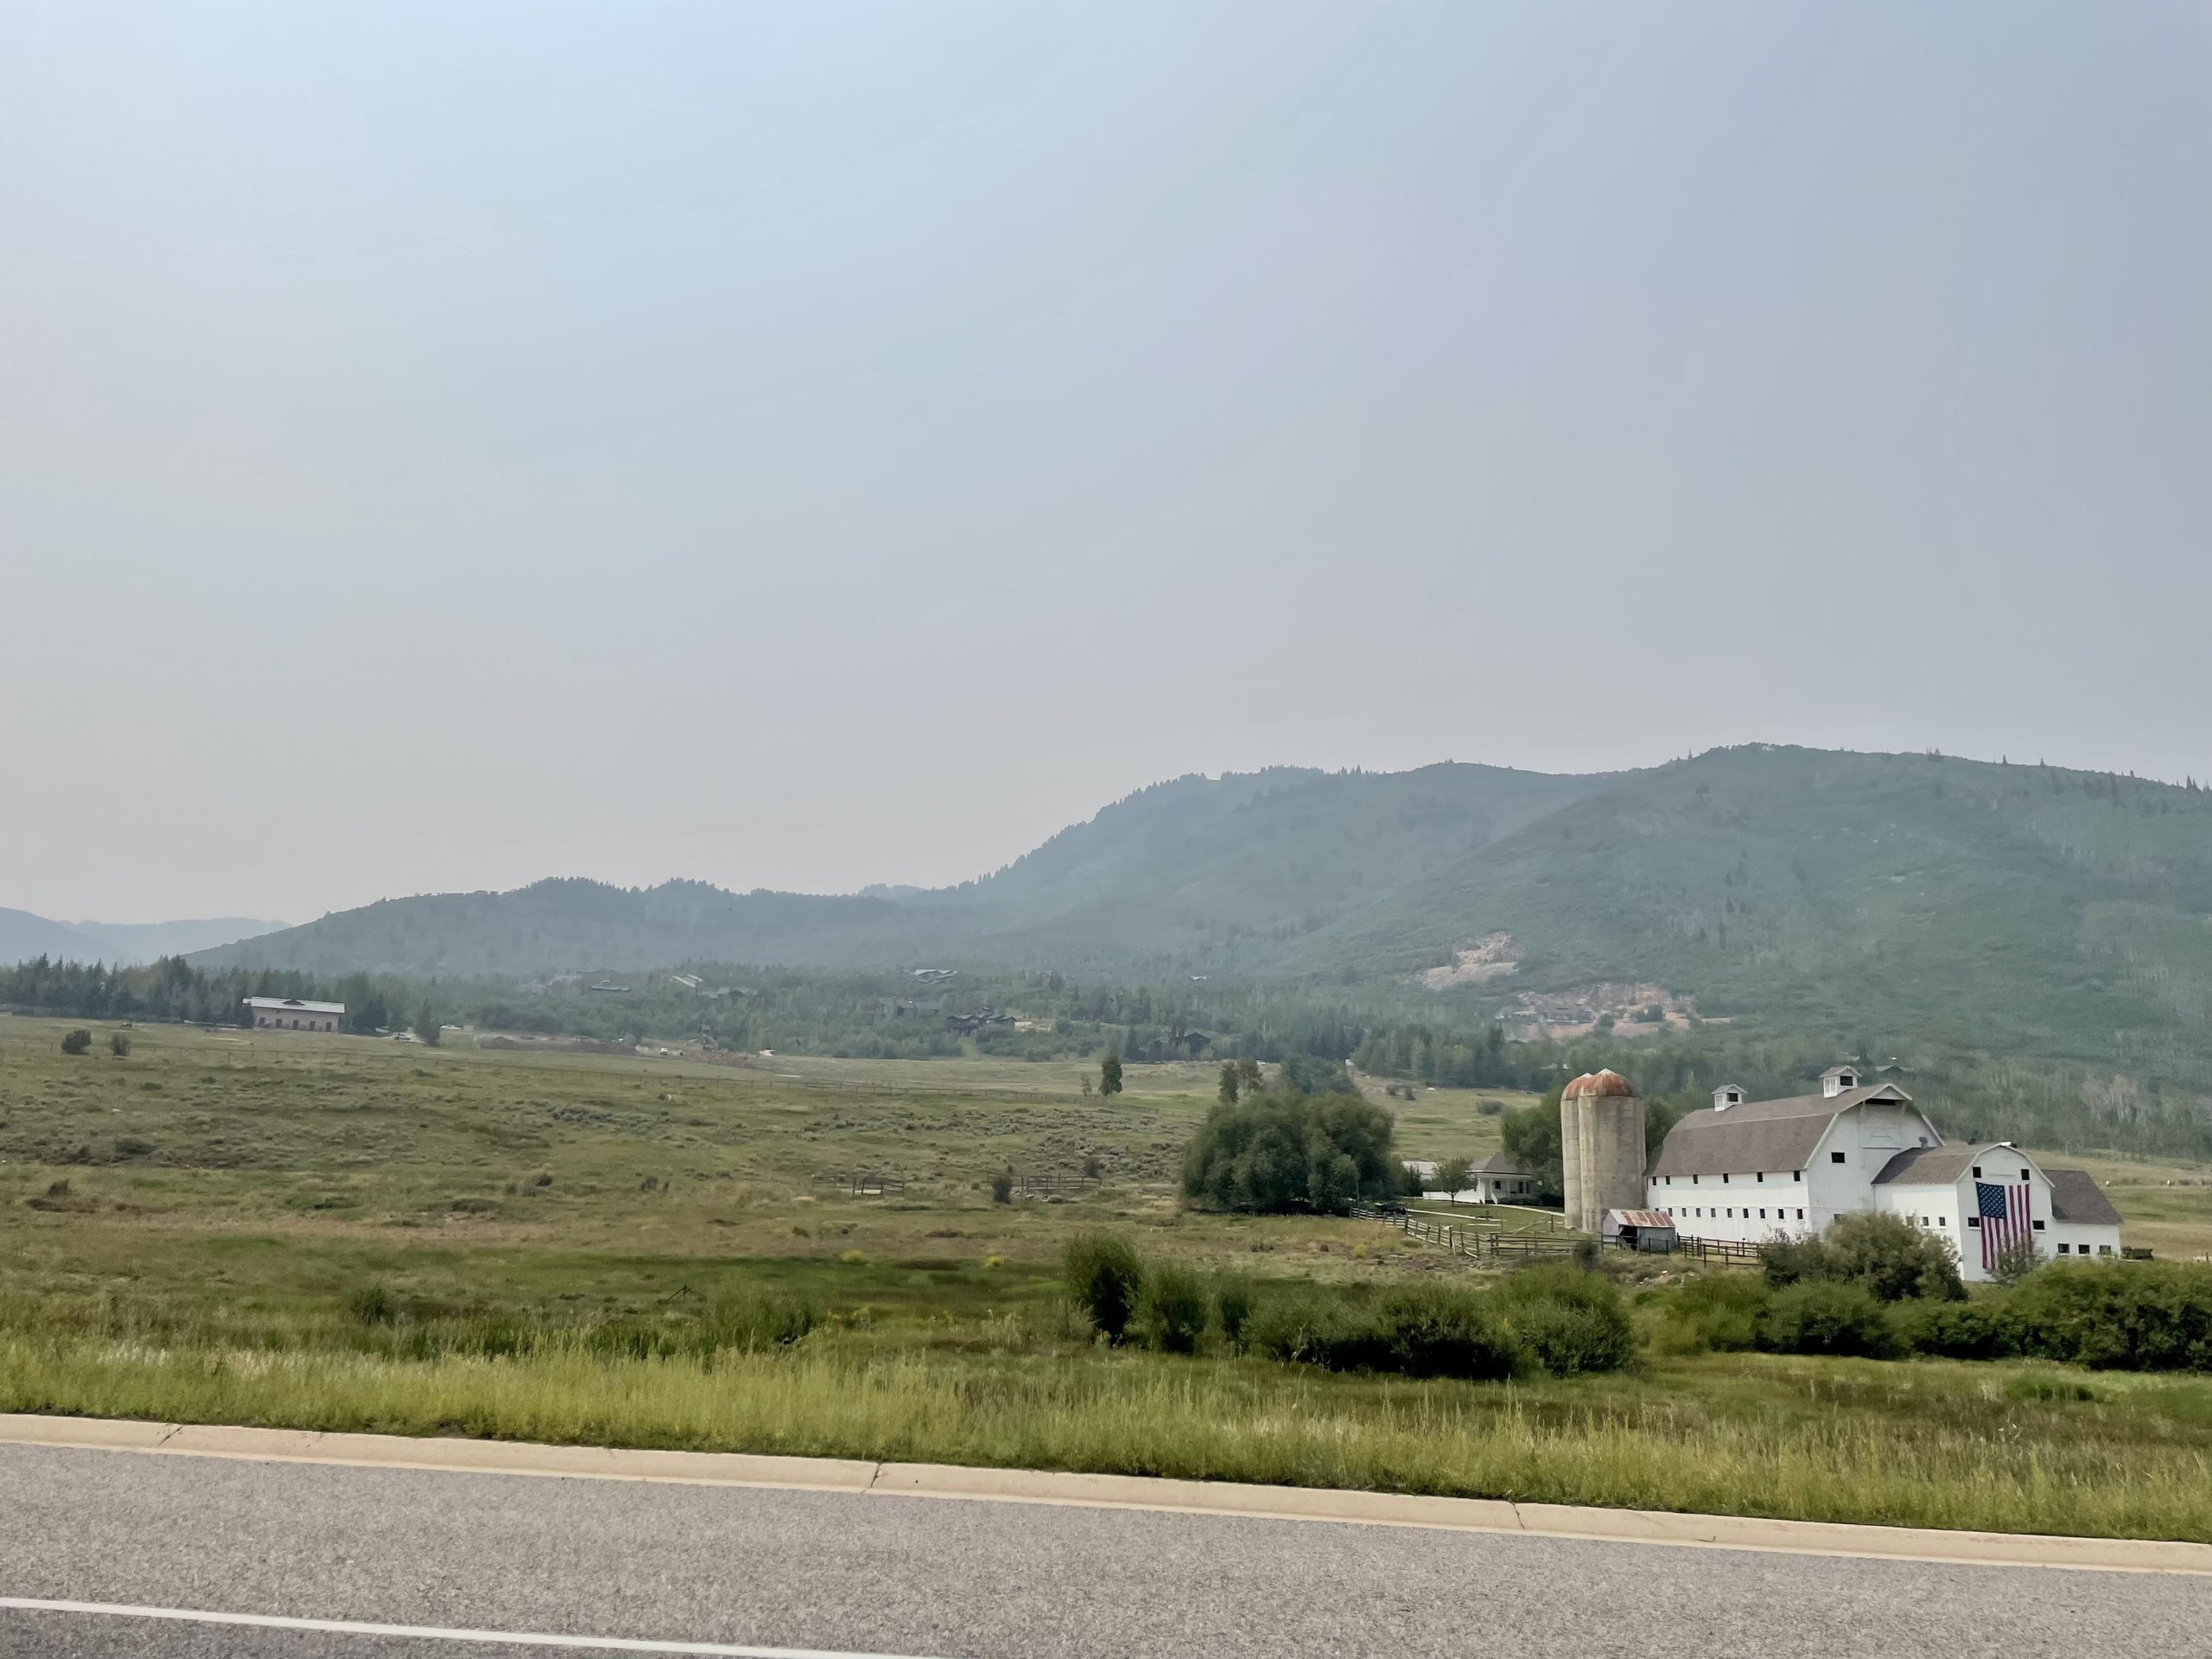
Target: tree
point(1110, 1075)
point(1003, 1187)
point(1886, 1256)
point(1454, 1175)
point(118, 1044)
point(1247, 1076)
point(77, 1042)
point(1284, 1152)
point(1231, 1083)
point(1533, 1140)
point(2015, 1262)
point(426, 1025)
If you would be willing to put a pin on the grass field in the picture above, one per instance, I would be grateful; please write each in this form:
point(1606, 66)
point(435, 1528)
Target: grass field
point(187, 1232)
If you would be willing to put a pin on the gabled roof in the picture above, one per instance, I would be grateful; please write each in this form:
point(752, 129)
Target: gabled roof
point(2075, 1196)
point(293, 1005)
point(1497, 1163)
point(1940, 1166)
point(1760, 1135)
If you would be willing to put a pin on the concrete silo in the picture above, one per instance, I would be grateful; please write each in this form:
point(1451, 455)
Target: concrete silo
point(1601, 1145)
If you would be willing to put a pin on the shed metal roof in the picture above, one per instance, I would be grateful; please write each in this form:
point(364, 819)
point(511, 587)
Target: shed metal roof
point(2075, 1196)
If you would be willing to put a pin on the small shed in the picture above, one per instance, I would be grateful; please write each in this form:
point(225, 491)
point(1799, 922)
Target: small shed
point(1639, 1229)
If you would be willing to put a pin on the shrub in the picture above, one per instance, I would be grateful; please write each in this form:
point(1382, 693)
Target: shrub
point(1435, 1330)
point(1306, 1329)
point(855, 1258)
point(1894, 1260)
point(118, 1044)
point(1105, 1277)
point(2136, 1316)
point(1418, 1330)
point(1975, 1330)
point(1232, 1304)
point(758, 1322)
point(1827, 1317)
point(1003, 1187)
point(1571, 1321)
point(371, 1305)
point(1292, 1152)
point(1886, 1255)
point(1171, 1310)
point(1718, 1313)
point(77, 1042)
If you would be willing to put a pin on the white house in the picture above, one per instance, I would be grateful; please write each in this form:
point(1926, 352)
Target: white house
point(1747, 1171)
point(290, 1014)
point(1494, 1179)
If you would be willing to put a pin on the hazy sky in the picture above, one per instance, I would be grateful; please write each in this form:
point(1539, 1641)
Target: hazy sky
point(805, 444)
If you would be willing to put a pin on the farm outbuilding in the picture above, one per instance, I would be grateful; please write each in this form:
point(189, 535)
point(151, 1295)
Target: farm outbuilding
point(291, 1014)
point(1639, 1229)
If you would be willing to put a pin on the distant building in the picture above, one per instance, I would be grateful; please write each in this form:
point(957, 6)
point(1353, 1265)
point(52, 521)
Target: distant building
point(1499, 1179)
point(1746, 1171)
point(290, 1014)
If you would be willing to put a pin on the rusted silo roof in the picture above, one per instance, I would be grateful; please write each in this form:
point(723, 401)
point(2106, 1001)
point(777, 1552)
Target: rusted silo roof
point(1598, 1082)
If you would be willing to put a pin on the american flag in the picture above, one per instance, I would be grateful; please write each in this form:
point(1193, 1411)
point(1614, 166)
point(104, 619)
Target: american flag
point(2004, 1219)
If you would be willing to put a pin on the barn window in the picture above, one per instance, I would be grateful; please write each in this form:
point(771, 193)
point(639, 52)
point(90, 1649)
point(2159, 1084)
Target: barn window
point(2024, 1175)
point(1796, 1174)
point(1723, 1180)
point(1800, 1215)
point(1974, 1221)
point(2064, 1249)
point(1835, 1157)
point(2037, 1224)
point(1977, 1172)
point(1762, 1213)
point(2104, 1249)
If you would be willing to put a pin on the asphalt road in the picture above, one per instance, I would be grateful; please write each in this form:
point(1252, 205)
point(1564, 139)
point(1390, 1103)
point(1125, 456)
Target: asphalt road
point(945, 1579)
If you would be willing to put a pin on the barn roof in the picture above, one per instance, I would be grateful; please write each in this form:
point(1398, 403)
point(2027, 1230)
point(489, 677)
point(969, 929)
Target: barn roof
point(2075, 1196)
point(294, 1005)
point(1760, 1135)
point(1658, 1220)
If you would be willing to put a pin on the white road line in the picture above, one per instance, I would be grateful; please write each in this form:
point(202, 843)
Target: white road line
point(428, 1632)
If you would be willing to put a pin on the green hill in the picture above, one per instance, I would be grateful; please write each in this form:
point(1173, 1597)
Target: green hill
point(1860, 899)
point(1198, 873)
point(2020, 909)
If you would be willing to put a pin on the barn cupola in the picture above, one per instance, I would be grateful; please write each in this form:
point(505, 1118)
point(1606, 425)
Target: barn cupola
point(1837, 1078)
point(1727, 1094)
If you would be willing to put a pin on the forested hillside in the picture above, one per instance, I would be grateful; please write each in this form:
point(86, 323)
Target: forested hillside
point(1200, 874)
point(1861, 904)
point(2020, 908)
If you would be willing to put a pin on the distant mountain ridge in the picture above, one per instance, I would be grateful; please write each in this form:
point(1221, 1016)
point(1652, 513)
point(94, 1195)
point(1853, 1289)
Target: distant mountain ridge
point(1204, 869)
point(24, 936)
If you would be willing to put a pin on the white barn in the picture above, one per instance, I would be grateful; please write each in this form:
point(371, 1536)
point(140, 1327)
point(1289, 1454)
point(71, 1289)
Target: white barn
point(1746, 1171)
point(290, 1014)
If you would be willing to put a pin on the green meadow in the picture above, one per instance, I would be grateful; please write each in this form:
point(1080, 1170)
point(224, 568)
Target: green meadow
point(339, 1232)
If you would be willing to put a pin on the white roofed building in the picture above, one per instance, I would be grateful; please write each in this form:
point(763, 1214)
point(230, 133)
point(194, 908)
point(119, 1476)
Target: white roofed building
point(291, 1014)
point(1746, 1171)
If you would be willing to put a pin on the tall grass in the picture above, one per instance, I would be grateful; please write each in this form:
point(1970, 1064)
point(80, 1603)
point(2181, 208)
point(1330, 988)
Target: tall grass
point(1972, 1456)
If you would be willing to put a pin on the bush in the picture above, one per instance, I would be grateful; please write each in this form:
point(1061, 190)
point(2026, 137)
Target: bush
point(1975, 1330)
point(118, 1044)
point(1232, 1305)
point(1104, 1276)
point(371, 1305)
point(1292, 1152)
point(1434, 1331)
point(77, 1042)
point(1886, 1255)
point(1173, 1310)
point(854, 1258)
point(1003, 1187)
point(754, 1323)
point(2135, 1316)
point(1827, 1317)
point(1716, 1313)
point(1418, 1330)
point(1572, 1321)
point(1893, 1260)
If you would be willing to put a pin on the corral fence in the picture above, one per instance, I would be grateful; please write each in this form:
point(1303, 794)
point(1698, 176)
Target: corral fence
point(1491, 1244)
point(862, 1183)
point(1042, 1186)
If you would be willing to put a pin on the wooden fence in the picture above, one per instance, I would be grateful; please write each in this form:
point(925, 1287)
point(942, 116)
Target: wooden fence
point(862, 1183)
point(1492, 1244)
